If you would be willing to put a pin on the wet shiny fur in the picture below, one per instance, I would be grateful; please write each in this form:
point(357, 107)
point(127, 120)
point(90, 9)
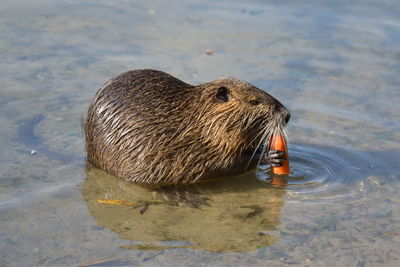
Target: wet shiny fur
point(146, 126)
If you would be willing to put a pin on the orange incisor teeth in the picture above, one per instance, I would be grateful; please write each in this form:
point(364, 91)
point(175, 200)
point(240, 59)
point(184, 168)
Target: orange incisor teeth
point(278, 142)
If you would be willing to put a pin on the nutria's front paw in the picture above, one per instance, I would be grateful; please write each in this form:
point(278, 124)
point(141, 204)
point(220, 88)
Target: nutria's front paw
point(276, 158)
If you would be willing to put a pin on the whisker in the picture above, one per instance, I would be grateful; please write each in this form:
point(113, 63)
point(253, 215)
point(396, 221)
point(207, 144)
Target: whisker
point(276, 130)
point(262, 139)
point(258, 134)
point(264, 148)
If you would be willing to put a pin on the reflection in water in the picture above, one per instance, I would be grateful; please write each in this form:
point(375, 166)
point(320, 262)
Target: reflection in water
point(232, 214)
point(237, 214)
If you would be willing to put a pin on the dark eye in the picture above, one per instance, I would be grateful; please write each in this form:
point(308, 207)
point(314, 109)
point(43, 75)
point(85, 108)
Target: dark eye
point(254, 102)
point(222, 94)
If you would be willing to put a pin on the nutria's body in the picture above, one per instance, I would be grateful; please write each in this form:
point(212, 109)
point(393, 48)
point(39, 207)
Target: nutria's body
point(148, 127)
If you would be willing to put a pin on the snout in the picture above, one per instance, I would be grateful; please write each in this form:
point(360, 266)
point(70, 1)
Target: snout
point(285, 115)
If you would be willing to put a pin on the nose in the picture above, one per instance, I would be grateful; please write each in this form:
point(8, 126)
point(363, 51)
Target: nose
point(286, 116)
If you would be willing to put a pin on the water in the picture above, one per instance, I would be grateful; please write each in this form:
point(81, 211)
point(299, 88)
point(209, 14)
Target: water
point(334, 64)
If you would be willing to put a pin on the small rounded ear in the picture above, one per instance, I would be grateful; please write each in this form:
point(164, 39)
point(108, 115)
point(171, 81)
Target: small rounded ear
point(222, 94)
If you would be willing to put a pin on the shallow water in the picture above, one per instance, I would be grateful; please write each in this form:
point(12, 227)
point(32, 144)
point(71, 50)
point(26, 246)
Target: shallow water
point(334, 64)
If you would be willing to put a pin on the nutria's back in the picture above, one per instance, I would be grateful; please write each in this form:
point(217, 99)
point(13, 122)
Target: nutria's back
point(148, 127)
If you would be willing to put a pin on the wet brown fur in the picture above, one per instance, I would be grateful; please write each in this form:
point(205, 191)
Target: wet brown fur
point(146, 126)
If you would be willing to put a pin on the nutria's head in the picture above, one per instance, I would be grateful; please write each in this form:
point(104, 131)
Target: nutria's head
point(149, 127)
point(238, 116)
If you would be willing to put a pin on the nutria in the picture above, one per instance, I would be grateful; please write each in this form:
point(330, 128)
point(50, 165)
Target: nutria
point(147, 126)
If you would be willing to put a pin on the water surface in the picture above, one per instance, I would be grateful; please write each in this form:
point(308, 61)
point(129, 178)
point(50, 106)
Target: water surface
point(334, 64)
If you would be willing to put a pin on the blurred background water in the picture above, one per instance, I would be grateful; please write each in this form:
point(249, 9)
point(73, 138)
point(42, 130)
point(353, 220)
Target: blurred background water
point(334, 64)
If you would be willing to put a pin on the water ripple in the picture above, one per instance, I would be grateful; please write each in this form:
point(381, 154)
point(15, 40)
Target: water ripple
point(321, 174)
